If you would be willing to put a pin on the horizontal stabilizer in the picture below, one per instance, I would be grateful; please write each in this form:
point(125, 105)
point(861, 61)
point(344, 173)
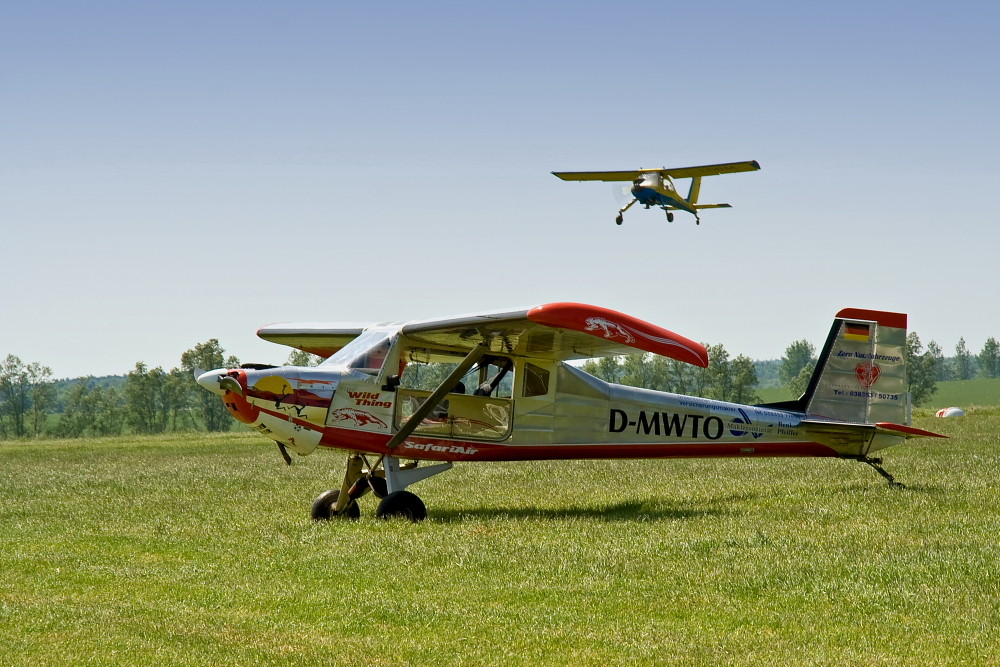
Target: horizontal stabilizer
point(907, 431)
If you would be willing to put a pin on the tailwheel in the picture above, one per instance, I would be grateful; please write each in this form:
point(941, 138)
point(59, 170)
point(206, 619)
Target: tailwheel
point(323, 507)
point(402, 504)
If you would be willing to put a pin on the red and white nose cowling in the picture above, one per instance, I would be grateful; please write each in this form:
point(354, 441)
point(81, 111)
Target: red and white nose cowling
point(232, 386)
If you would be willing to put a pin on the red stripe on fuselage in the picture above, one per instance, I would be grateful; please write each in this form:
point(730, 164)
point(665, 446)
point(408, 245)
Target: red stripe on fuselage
point(468, 450)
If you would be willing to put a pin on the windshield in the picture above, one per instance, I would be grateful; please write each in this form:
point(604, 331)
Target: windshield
point(367, 352)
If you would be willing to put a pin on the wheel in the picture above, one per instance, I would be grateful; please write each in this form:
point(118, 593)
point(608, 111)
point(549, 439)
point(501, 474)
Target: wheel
point(619, 219)
point(322, 509)
point(402, 504)
point(670, 216)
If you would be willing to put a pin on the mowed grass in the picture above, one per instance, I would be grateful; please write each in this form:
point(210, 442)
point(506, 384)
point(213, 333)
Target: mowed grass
point(199, 550)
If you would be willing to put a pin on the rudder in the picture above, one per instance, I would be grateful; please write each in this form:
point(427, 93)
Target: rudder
point(860, 376)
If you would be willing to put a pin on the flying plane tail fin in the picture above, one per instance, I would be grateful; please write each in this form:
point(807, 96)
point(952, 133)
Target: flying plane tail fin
point(860, 375)
point(695, 190)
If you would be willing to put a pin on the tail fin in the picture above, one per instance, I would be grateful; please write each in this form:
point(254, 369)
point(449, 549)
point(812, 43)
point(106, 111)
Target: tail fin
point(861, 374)
point(695, 190)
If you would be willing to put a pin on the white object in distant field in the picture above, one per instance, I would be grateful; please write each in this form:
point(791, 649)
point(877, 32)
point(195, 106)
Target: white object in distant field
point(951, 412)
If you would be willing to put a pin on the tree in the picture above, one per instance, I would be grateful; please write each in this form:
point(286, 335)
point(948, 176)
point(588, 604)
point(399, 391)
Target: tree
point(208, 356)
point(303, 358)
point(145, 411)
point(26, 397)
point(989, 359)
point(798, 356)
point(636, 371)
point(800, 383)
point(606, 368)
point(90, 410)
point(43, 397)
point(681, 376)
point(920, 369)
point(108, 417)
point(963, 366)
point(942, 368)
point(178, 391)
point(718, 375)
point(744, 380)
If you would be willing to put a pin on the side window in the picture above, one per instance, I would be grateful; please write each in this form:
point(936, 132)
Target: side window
point(536, 381)
point(478, 406)
point(493, 376)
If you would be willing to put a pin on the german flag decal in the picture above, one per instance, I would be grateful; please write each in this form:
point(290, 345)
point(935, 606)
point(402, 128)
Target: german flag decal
point(857, 331)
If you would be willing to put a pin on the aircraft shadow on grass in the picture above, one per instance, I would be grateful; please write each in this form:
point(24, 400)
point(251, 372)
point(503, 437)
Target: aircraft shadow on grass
point(625, 511)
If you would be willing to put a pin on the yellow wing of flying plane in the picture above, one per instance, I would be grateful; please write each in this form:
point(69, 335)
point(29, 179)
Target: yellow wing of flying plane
point(674, 172)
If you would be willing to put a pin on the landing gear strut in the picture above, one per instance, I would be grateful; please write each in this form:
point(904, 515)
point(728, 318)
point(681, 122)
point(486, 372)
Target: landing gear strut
point(620, 217)
point(386, 479)
point(876, 464)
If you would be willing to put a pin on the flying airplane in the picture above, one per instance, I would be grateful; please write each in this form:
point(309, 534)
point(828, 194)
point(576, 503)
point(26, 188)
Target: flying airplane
point(406, 401)
point(655, 187)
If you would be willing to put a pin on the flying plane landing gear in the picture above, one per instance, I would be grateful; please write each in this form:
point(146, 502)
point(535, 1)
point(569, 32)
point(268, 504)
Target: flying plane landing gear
point(619, 218)
point(670, 216)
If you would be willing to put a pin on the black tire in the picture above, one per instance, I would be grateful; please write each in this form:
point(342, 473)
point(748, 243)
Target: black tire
point(402, 504)
point(322, 508)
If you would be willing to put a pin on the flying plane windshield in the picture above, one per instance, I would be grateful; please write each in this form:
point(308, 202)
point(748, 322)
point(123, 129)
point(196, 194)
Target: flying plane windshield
point(366, 352)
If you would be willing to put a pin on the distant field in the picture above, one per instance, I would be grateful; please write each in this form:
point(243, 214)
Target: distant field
point(961, 393)
point(967, 393)
point(198, 549)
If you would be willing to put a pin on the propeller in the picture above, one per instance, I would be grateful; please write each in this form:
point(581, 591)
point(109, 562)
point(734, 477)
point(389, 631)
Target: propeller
point(621, 193)
point(217, 382)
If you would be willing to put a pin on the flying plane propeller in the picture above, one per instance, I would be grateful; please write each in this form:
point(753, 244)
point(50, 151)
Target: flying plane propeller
point(655, 187)
point(407, 401)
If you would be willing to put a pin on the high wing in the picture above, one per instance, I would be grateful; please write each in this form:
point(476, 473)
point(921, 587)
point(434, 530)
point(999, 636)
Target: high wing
point(563, 331)
point(675, 172)
point(322, 340)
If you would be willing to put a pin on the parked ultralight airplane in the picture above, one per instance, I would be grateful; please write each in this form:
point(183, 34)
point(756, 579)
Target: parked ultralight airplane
point(394, 397)
point(655, 187)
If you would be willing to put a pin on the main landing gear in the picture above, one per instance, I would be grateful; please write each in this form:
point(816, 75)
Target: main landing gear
point(620, 217)
point(386, 480)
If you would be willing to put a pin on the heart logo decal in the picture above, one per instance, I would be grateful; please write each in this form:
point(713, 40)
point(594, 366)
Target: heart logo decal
point(868, 374)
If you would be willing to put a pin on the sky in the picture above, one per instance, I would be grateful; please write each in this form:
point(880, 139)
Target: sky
point(176, 172)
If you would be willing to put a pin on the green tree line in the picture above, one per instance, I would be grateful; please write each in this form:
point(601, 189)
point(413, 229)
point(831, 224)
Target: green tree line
point(736, 379)
point(148, 400)
point(152, 400)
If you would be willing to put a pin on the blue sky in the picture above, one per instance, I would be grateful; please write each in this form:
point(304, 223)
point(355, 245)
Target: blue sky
point(189, 171)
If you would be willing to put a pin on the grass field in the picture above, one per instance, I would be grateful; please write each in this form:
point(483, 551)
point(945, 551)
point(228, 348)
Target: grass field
point(198, 550)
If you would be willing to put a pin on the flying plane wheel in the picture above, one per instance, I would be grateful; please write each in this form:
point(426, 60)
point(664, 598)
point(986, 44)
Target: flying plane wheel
point(619, 219)
point(402, 504)
point(670, 216)
point(322, 508)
